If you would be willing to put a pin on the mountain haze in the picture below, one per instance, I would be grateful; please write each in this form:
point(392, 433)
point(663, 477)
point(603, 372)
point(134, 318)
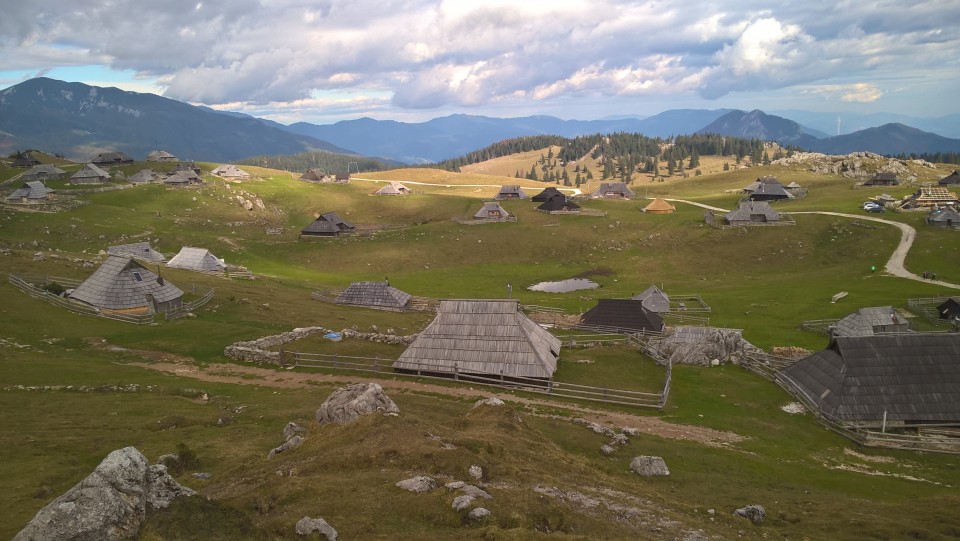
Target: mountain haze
point(79, 121)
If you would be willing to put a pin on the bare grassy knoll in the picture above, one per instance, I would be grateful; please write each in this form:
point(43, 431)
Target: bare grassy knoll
point(145, 385)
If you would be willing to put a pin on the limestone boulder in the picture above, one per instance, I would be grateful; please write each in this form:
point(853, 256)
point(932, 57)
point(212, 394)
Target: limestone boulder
point(753, 513)
point(307, 526)
point(649, 466)
point(346, 404)
point(418, 484)
point(111, 503)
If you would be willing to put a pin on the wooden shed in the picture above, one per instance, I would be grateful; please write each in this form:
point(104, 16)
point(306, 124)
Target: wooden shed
point(230, 171)
point(327, 225)
point(870, 321)
point(949, 309)
point(379, 295)
point(654, 300)
point(510, 191)
point(883, 179)
point(869, 381)
point(144, 176)
point(137, 250)
point(558, 202)
point(124, 286)
point(161, 156)
point(953, 179)
point(44, 171)
point(613, 190)
point(491, 211)
point(90, 174)
point(770, 191)
point(316, 175)
point(752, 212)
point(112, 158)
point(944, 217)
point(393, 188)
point(490, 338)
point(622, 315)
point(546, 194)
point(197, 260)
point(659, 206)
point(31, 192)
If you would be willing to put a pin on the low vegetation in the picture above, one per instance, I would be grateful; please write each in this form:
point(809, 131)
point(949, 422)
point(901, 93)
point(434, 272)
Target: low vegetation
point(76, 387)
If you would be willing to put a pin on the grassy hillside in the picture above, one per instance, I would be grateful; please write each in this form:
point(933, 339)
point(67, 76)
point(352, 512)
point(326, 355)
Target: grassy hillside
point(723, 435)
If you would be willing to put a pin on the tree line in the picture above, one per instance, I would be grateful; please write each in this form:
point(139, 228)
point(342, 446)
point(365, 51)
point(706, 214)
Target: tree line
point(328, 162)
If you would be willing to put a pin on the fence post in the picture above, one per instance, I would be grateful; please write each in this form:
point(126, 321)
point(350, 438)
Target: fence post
point(376, 364)
point(456, 373)
point(282, 364)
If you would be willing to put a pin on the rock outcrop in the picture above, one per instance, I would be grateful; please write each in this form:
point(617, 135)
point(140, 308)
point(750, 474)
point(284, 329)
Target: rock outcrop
point(649, 466)
point(348, 403)
point(292, 443)
point(111, 503)
point(418, 484)
point(753, 513)
point(307, 526)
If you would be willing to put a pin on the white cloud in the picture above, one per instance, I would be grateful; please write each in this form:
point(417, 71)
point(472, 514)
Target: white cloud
point(856, 92)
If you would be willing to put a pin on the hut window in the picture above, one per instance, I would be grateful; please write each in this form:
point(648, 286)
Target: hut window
point(137, 277)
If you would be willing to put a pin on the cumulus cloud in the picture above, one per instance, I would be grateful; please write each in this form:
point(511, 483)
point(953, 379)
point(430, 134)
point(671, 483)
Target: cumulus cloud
point(441, 53)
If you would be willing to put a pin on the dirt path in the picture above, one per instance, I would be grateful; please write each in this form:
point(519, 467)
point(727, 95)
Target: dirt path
point(573, 191)
point(242, 374)
point(895, 265)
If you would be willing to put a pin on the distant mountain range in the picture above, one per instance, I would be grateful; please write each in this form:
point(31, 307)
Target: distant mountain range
point(79, 121)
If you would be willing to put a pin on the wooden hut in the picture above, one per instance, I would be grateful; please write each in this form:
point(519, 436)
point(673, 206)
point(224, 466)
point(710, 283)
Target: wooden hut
point(230, 171)
point(546, 194)
point(752, 212)
point(953, 179)
point(90, 174)
point(877, 381)
point(949, 309)
point(122, 285)
point(183, 177)
point(654, 300)
point(393, 188)
point(870, 321)
point(137, 250)
point(378, 295)
point(931, 197)
point(659, 206)
point(770, 191)
point(622, 315)
point(883, 179)
point(944, 217)
point(161, 156)
point(144, 176)
point(316, 175)
point(558, 203)
point(112, 158)
point(510, 191)
point(32, 192)
point(613, 190)
point(755, 185)
point(487, 338)
point(24, 160)
point(327, 225)
point(44, 171)
point(491, 211)
point(197, 260)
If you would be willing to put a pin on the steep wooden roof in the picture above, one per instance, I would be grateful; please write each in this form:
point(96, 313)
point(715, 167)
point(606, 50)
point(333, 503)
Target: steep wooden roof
point(374, 295)
point(393, 188)
point(654, 300)
point(122, 284)
point(483, 337)
point(952, 178)
point(546, 194)
point(511, 191)
point(197, 259)
point(911, 377)
point(944, 215)
point(864, 321)
point(488, 207)
point(558, 202)
point(613, 189)
point(90, 170)
point(111, 158)
point(34, 189)
point(659, 205)
point(143, 176)
point(138, 250)
point(622, 314)
point(771, 190)
point(746, 209)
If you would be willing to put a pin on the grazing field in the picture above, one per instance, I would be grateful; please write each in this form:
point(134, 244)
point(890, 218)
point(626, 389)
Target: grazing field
point(76, 387)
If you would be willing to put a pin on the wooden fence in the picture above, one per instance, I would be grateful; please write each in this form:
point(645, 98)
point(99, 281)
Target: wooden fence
point(480, 221)
point(550, 388)
point(821, 326)
point(417, 304)
point(581, 212)
point(925, 437)
point(188, 307)
point(679, 303)
point(927, 307)
point(27, 286)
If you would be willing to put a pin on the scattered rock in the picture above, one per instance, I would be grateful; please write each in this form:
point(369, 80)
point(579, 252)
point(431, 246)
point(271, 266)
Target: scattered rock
point(462, 502)
point(111, 503)
point(630, 431)
point(476, 492)
point(201, 475)
point(292, 429)
point(649, 466)
point(38, 256)
point(348, 403)
point(171, 460)
point(492, 401)
point(479, 513)
point(619, 439)
point(476, 471)
point(292, 443)
point(307, 526)
point(607, 450)
point(418, 484)
point(753, 513)
point(794, 408)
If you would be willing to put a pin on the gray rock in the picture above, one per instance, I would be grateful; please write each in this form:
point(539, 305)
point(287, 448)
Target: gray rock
point(479, 513)
point(476, 471)
point(476, 492)
point(619, 439)
point(292, 429)
point(753, 513)
point(649, 466)
point(462, 502)
point(111, 503)
point(348, 403)
point(492, 401)
point(292, 443)
point(307, 526)
point(169, 460)
point(454, 485)
point(201, 475)
point(418, 484)
point(607, 449)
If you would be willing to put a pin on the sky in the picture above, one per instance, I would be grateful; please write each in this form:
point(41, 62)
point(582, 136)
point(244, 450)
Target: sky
point(412, 60)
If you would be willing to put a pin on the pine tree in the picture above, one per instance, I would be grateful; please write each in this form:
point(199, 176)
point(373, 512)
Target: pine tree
point(726, 166)
point(533, 173)
point(766, 158)
point(694, 159)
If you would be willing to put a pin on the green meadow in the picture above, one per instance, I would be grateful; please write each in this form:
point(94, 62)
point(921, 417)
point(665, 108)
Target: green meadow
point(813, 483)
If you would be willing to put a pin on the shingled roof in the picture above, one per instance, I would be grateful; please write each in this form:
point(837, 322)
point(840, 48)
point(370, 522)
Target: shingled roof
point(328, 223)
point(108, 158)
point(144, 176)
point(622, 315)
point(197, 259)
point(489, 337)
point(511, 191)
point(770, 191)
point(558, 202)
point(912, 378)
point(43, 171)
point(491, 211)
point(123, 284)
point(753, 211)
point(945, 216)
point(161, 156)
point(137, 250)
point(31, 192)
point(90, 174)
point(659, 206)
point(871, 320)
point(393, 188)
point(228, 170)
point(654, 300)
point(613, 189)
point(546, 194)
point(951, 179)
point(374, 295)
